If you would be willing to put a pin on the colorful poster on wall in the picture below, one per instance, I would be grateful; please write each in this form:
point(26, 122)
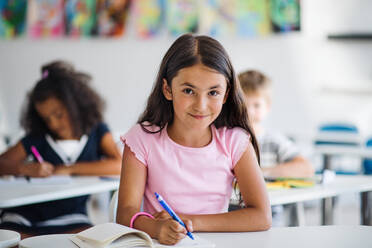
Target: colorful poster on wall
point(253, 18)
point(149, 17)
point(218, 17)
point(182, 16)
point(12, 18)
point(285, 15)
point(46, 18)
point(80, 17)
point(111, 17)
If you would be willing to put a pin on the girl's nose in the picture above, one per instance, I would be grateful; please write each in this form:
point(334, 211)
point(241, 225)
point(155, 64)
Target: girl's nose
point(200, 103)
point(53, 124)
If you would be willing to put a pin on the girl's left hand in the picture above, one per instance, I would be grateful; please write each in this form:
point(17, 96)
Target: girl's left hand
point(62, 170)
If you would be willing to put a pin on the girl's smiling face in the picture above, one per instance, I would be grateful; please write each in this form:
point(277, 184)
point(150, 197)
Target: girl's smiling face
point(56, 117)
point(198, 94)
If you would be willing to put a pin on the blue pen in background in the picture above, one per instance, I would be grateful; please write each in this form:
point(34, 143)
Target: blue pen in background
point(172, 213)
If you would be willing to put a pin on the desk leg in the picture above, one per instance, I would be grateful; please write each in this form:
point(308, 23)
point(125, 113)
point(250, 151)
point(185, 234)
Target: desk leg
point(300, 210)
point(327, 211)
point(365, 209)
point(326, 162)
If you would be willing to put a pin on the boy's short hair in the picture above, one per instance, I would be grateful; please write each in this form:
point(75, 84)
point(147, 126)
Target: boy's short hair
point(253, 82)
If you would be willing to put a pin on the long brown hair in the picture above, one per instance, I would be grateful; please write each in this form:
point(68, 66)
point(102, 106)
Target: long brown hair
point(186, 51)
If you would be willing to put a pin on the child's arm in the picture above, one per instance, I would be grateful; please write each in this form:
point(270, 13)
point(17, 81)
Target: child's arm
point(297, 167)
point(110, 165)
point(132, 187)
point(256, 216)
point(12, 163)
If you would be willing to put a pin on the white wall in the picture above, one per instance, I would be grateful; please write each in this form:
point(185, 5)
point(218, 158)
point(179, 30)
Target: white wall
point(301, 65)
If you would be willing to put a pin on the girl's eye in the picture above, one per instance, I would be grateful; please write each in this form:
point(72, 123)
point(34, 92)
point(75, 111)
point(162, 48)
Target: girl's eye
point(214, 93)
point(188, 91)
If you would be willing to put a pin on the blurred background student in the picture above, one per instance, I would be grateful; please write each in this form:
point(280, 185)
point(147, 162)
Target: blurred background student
point(279, 155)
point(63, 119)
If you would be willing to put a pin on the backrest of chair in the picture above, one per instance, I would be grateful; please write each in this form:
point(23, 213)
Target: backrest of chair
point(113, 206)
point(338, 134)
point(341, 134)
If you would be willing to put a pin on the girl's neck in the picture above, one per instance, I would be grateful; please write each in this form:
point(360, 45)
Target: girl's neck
point(189, 138)
point(258, 129)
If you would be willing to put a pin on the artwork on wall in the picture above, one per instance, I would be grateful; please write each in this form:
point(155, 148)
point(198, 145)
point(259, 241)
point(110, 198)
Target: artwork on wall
point(149, 17)
point(111, 17)
point(182, 16)
point(108, 18)
point(45, 18)
point(252, 18)
point(80, 16)
point(12, 18)
point(218, 17)
point(285, 15)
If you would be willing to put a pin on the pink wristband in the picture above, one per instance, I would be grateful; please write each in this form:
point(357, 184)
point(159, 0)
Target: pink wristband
point(139, 214)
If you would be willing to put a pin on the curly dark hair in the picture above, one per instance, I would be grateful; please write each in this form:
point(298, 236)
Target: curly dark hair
point(186, 51)
point(60, 80)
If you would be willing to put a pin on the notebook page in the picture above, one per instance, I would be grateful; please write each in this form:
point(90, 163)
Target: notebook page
point(51, 180)
point(198, 242)
point(103, 234)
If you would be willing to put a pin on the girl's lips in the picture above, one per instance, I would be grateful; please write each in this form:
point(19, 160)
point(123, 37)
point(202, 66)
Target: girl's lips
point(199, 117)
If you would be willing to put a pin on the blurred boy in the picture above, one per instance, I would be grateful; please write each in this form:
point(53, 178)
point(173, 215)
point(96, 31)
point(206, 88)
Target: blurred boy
point(279, 156)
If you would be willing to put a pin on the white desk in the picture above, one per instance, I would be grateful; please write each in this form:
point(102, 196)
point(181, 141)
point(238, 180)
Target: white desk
point(286, 237)
point(330, 150)
point(327, 151)
point(341, 185)
point(9, 238)
point(15, 194)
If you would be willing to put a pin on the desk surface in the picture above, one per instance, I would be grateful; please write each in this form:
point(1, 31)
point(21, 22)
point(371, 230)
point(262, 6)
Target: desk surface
point(286, 237)
point(12, 195)
point(340, 185)
point(359, 151)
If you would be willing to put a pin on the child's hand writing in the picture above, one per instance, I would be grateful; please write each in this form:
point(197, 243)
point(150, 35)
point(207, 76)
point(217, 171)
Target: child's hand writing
point(170, 231)
point(37, 169)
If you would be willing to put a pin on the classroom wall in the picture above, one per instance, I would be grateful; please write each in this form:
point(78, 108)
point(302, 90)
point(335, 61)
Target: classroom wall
point(314, 79)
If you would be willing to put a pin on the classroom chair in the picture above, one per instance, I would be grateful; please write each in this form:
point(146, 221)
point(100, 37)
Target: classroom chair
point(113, 207)
point(339, 135)
point(367, 163)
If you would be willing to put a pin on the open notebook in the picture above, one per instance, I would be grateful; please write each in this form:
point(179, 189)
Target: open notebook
point(112, 235)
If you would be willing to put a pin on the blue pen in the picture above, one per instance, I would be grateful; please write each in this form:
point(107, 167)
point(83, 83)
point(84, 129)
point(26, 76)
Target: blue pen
point(172, 213)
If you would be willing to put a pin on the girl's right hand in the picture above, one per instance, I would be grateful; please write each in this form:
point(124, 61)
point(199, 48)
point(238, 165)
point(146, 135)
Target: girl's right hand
point(170, 231)
point(44, 169)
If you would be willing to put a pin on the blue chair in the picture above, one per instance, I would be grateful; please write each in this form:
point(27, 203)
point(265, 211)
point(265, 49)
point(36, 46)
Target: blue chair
point(367, 163)
point(337, 129)
point(337, 134)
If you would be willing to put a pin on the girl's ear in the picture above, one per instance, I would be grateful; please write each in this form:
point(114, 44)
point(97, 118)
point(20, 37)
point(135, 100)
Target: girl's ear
point(167, 92)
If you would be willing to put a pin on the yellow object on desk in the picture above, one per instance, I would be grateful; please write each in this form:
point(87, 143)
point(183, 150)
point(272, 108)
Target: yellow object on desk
point(289, 183)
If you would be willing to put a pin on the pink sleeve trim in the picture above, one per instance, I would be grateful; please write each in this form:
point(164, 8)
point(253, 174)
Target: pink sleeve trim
point(140, 158)
point(240, 152)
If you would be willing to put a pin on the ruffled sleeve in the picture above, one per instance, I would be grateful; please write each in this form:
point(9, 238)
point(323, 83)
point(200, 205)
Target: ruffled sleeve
point(135, 139)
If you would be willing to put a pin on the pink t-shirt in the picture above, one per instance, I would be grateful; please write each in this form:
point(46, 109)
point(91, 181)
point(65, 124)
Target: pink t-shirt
point(191, 180)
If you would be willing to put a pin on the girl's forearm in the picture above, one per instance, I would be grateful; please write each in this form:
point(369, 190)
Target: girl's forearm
point(142, 223)
point(95, 168)
point(9, 168)
point(242, 220)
